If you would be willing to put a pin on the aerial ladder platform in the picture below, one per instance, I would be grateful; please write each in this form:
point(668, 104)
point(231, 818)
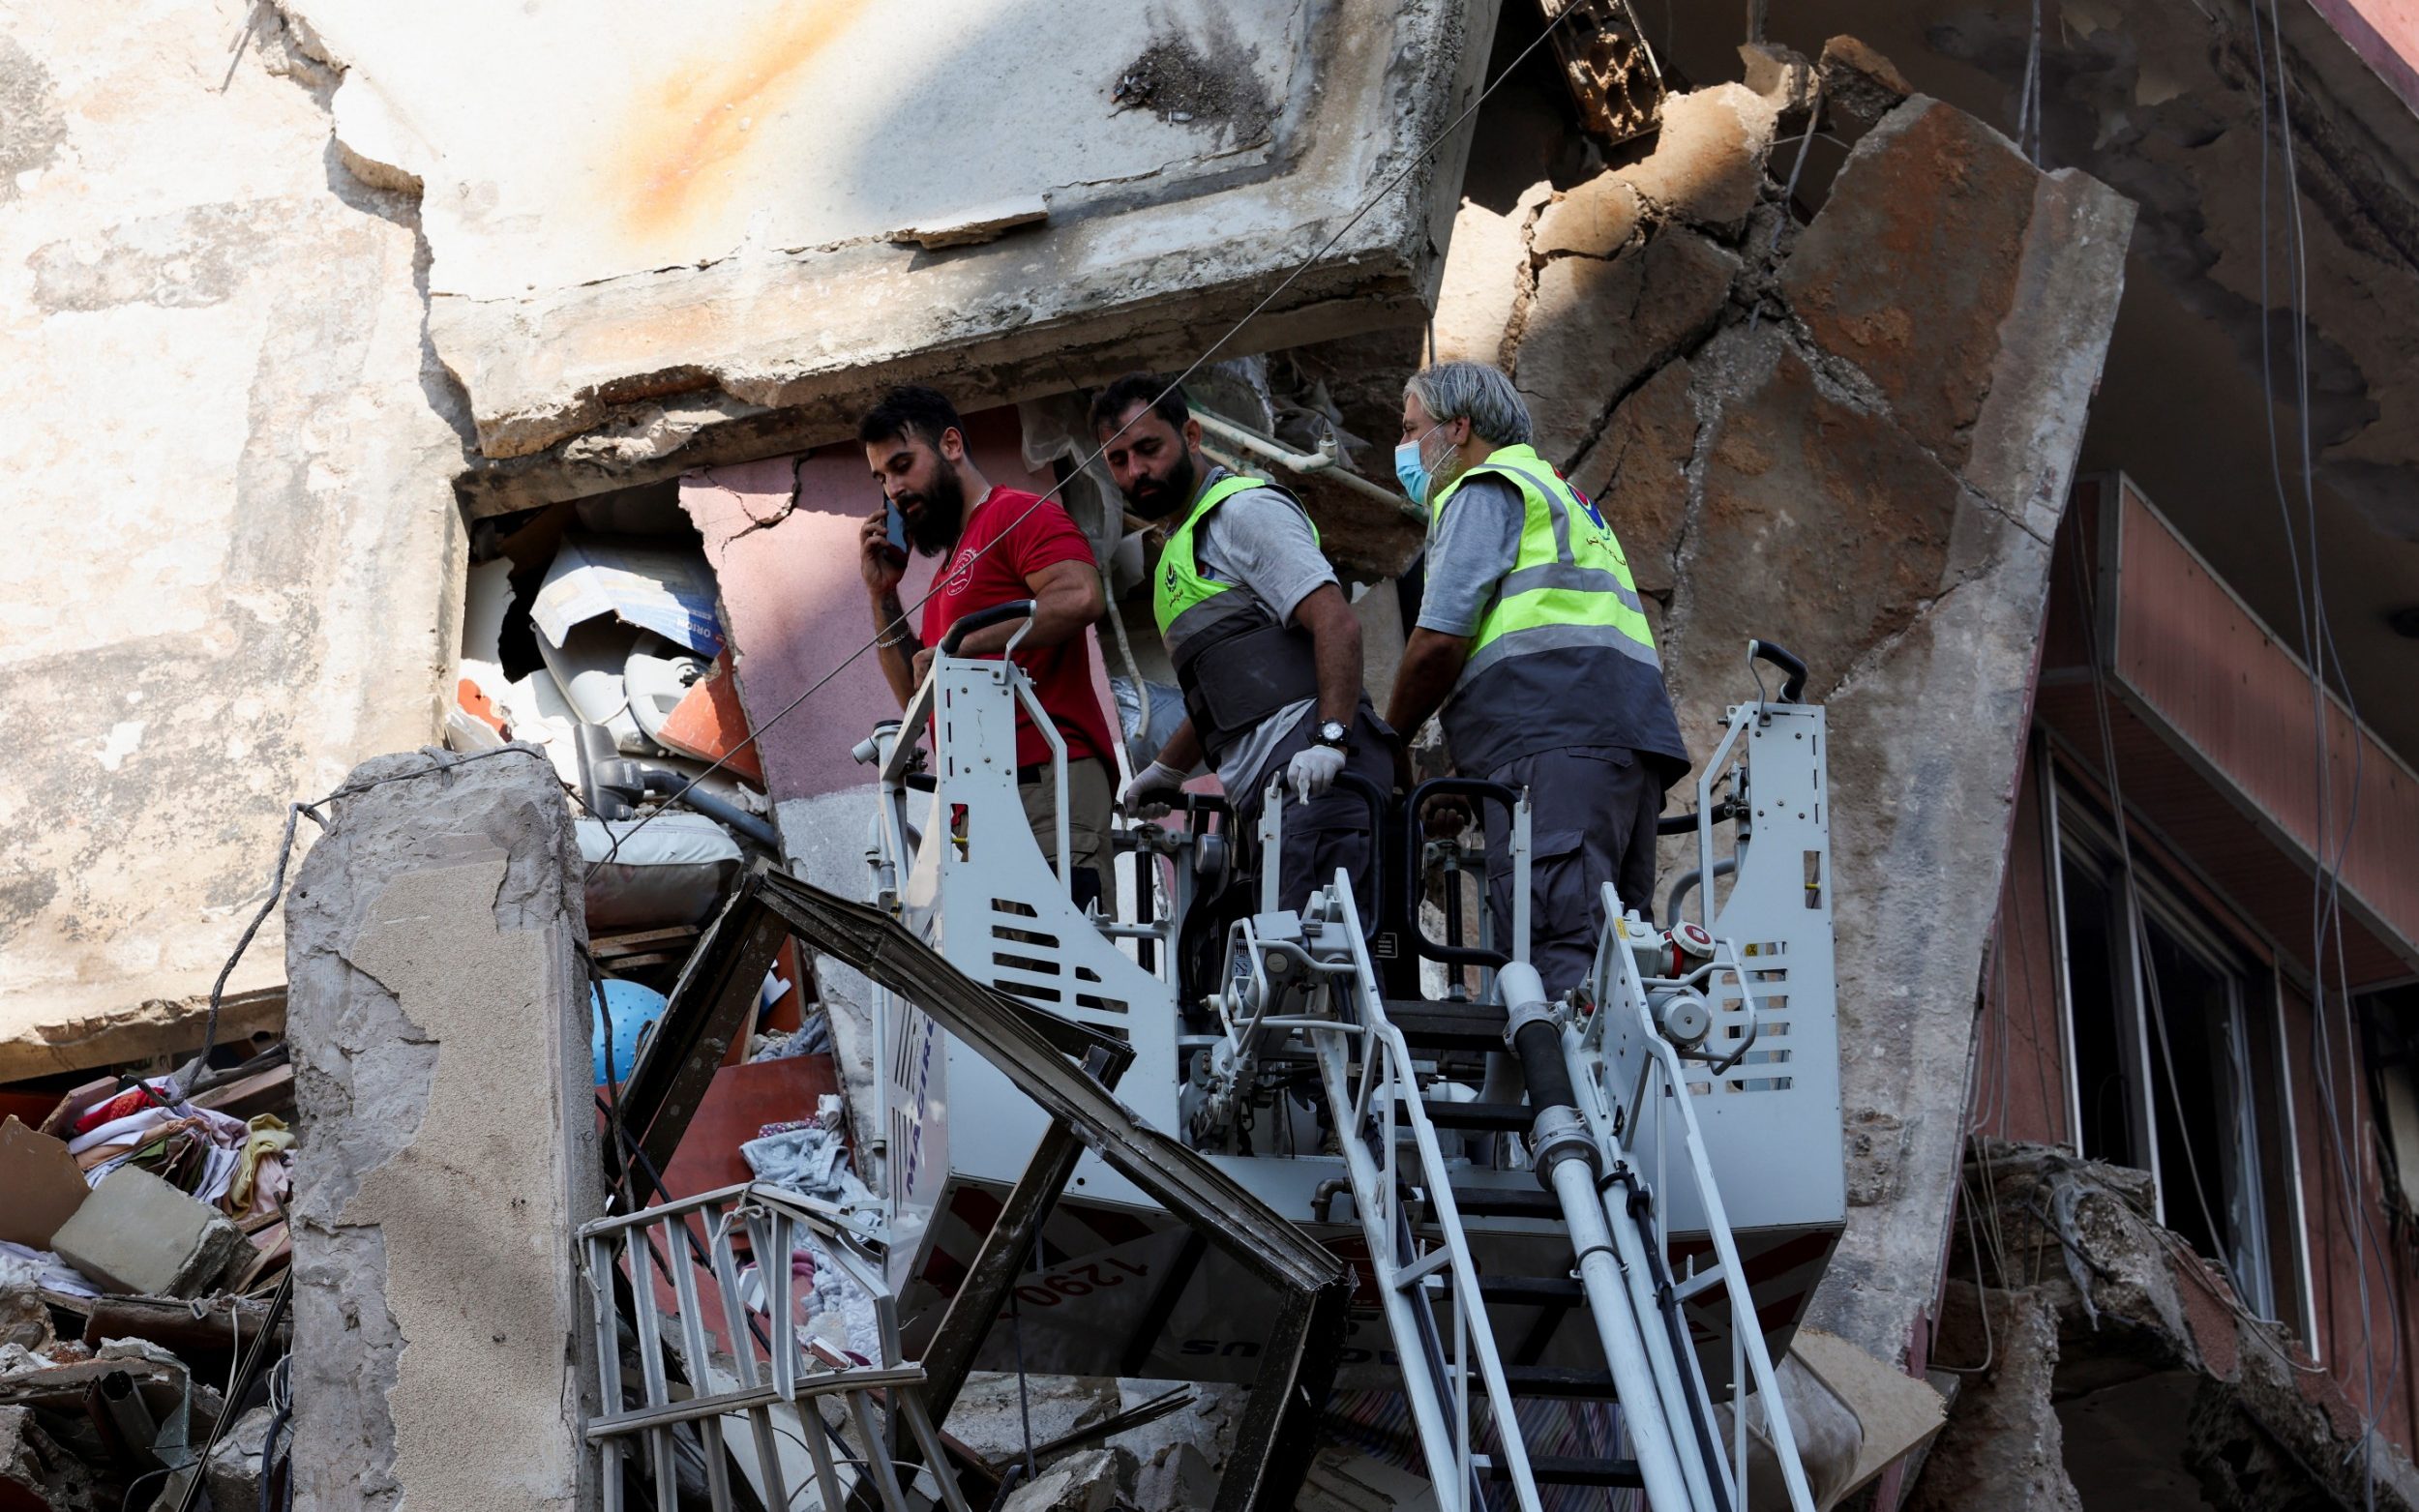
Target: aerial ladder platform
point(1610, 1205)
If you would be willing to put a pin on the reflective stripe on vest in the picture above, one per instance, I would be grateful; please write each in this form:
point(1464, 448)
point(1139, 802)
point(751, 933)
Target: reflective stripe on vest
point(1183, 600)
point(1569, 585)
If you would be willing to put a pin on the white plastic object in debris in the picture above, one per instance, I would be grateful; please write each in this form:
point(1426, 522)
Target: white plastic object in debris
point(533, 707)
point(666, 589)
point(587, 667)
point(655, 677)
point(670, 870)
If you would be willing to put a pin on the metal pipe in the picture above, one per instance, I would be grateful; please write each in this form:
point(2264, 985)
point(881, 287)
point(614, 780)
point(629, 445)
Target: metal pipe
point(1632, 1248)
point(1617, 1330)
point(1685, 882)
point(1327, 459)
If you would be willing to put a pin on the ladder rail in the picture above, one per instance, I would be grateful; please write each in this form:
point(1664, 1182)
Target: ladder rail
point(1387, 1077)
point(1746, 1335)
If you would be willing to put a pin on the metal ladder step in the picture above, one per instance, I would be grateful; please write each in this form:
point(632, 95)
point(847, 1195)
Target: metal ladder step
point(1435, 1025)
point(1561, 1470)
point(1486, 1118)
point(1559, 1381)
point(1533, 1291)
point(1527, 1201)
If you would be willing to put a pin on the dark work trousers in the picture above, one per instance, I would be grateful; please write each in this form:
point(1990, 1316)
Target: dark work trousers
point(1335, 829)
point(1592, 812)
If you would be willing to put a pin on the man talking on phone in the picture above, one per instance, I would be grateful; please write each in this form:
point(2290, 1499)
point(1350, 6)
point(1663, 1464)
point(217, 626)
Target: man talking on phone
point(1002, 545)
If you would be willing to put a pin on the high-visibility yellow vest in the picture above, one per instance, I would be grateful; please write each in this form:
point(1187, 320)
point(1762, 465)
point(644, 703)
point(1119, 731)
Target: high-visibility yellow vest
point(1237, 663)
point(1562, 654)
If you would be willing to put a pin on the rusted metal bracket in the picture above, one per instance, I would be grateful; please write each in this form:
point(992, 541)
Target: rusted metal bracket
point(1031, 1048)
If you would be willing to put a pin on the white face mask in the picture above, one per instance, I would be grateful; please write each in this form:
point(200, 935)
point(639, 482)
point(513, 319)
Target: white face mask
point(1410, 466)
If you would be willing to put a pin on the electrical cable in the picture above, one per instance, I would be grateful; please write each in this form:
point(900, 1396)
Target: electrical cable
point(184, 1080)
point(2317, 647)
point(899, 624)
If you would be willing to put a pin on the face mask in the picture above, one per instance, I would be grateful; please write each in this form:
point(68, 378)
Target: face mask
point(1411, 467)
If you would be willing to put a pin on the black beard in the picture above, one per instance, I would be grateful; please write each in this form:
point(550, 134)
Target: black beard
point(1172, 494)
point(944, 514)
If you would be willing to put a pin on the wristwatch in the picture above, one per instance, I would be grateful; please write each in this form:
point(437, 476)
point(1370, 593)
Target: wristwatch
point(1331, 733)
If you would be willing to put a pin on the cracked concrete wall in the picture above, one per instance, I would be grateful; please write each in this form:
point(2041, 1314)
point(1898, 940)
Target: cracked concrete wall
point(1854, 438)
point(439, 1029)
point(231, 536)
point(632, 275)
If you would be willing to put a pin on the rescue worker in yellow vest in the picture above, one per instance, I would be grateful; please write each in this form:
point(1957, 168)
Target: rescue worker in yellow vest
point(1266, 646)
point(1532, 642)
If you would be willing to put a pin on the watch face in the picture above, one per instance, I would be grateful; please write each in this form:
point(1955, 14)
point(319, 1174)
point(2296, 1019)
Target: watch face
point(1331, 730)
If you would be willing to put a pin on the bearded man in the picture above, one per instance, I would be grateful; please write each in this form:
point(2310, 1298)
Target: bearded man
point(1003, 546)
point(1266, 648)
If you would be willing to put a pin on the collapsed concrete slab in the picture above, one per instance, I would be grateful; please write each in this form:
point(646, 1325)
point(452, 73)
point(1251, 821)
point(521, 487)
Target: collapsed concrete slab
point(626, 235)
point(439, 1029)
point(2120, 1362)
point(1854, 438)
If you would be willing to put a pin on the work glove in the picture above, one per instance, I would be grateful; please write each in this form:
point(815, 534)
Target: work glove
point(1313, 771)
point(1136, 796)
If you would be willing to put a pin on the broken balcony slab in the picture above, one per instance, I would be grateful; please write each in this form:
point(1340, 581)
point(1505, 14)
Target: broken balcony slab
point(628, 226)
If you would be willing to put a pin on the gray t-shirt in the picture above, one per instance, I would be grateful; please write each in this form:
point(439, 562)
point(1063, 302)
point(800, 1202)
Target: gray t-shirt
point(1476, 541)
point(1262, 542)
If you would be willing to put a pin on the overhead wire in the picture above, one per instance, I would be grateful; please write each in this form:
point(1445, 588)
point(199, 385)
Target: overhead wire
point(900, 623)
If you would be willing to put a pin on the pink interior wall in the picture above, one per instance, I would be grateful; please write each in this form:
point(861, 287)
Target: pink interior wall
point(795, 604)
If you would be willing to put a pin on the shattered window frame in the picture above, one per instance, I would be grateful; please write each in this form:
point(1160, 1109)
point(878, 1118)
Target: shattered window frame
point(2258, 1180)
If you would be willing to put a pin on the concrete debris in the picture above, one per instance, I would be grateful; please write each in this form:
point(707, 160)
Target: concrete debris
point(233, 1469)
point(44, 1186)
point(1089, 1480)
point(2004, 1447)
point(1707, 168)
point(975, 226)
point(2116, 1357)
point(24, 1318)
point(1484, 279)
point(1594, 220)
point(1859, 85)
point(137, 1233)
point(1781, 74)
point(35, 1471)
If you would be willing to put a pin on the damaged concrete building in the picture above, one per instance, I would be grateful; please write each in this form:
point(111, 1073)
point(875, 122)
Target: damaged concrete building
point(456, 712)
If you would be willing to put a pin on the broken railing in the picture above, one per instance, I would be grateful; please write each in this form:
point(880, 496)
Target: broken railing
point(706, 1294)
point(1066, 1068)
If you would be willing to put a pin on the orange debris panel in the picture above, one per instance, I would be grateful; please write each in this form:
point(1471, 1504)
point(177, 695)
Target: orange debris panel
point(709, 724)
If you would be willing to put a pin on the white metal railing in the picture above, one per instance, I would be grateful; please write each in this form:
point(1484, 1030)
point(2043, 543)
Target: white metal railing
point(704, 1289)
point(1622, 992)
point(1407, 1267)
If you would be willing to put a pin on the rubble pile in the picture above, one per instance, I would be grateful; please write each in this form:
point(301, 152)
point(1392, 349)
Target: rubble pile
point(144, 1266)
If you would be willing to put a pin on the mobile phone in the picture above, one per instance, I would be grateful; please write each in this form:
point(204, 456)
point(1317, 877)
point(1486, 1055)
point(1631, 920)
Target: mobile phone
point(898, 530)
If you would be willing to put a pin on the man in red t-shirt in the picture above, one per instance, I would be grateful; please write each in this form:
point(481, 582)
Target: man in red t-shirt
point(1002, 545)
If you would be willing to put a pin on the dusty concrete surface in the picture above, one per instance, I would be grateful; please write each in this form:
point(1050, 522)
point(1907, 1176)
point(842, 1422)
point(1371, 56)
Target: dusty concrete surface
point(628, 249)
point(2164, 1389)
point(230, 568)
point(440, 1036)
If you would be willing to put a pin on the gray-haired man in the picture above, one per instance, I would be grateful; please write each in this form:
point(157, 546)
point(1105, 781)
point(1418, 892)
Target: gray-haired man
point(1532, 643)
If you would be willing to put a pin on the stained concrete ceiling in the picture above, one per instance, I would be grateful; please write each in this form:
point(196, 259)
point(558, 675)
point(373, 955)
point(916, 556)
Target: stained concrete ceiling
point(2155, 97)
point(649, 224)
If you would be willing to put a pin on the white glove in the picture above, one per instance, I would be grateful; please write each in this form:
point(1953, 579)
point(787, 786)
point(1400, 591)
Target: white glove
point(1157, 778)
point(1313, 771)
